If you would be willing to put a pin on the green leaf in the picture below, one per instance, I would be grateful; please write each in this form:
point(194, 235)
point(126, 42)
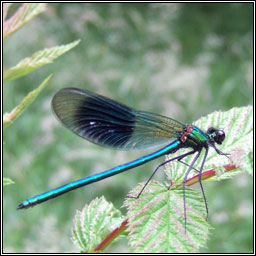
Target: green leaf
point(238, 126)
point(37, 60)
point(24, 14)
point(7, 181)
point(8, 118)
point(243, 160)
point(156, 220)
point(94, 223)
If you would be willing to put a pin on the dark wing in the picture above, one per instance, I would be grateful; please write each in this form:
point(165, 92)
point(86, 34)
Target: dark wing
point(110, 124)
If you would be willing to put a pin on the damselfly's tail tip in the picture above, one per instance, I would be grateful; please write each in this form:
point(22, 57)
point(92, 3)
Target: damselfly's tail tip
point(20, 206)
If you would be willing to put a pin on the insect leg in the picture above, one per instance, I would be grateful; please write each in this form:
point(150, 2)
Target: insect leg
point(184, 184)
point(163, 163)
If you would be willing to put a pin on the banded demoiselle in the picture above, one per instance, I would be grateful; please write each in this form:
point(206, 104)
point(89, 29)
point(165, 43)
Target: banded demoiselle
point(108, 123)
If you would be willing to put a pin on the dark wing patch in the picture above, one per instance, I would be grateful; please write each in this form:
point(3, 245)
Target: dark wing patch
point(108, 123)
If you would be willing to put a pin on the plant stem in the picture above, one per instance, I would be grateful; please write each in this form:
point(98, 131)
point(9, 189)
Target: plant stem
point(116, 232)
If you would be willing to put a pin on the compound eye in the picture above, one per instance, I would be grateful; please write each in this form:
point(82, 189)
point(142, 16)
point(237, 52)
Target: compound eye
point(220, 136)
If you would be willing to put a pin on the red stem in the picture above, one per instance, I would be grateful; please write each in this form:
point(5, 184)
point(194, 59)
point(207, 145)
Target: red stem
point(116, 232)
point(208, 174)
point(124, 225)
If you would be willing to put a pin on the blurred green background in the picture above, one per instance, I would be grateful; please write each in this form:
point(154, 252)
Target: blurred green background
point(180, 60)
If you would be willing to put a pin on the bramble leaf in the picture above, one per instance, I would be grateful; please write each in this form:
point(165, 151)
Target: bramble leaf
point(24, 14)
point(7, 181)
point(156, 220)
point(238, 126)
point(94, 223)
point(38, 59)
point(9, 118)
